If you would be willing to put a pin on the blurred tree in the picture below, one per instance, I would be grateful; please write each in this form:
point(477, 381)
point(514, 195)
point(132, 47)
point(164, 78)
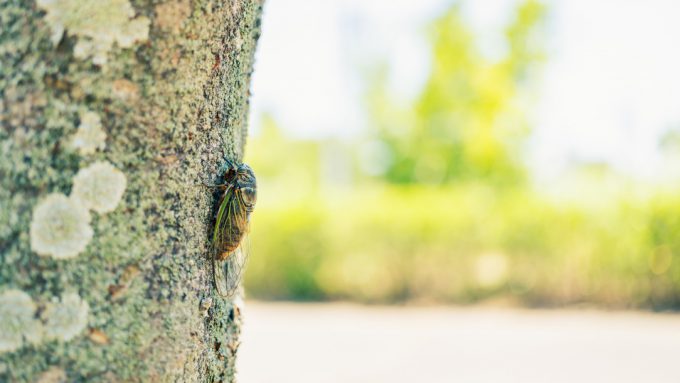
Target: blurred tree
point(466, 123)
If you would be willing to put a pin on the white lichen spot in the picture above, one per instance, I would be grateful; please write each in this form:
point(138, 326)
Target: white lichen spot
point(90, 135)
point(99, 186)
point(17, 320)
point(66, 319)
point(60, 227)
point(98, 24)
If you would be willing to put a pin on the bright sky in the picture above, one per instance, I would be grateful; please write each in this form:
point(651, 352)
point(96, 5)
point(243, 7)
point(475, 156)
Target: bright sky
point(610, 88)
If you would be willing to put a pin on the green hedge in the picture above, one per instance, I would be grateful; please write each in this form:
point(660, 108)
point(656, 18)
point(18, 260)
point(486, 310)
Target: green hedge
point(464, 244)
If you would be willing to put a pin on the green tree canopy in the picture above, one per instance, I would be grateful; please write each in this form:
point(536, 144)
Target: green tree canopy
point(467, 122)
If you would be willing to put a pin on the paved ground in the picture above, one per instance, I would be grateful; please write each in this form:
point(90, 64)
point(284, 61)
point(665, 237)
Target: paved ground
point(322, 343)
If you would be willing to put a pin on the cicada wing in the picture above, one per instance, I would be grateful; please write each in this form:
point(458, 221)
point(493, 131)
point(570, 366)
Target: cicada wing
point(229, 272)
point(220, 273)
point(231, 219)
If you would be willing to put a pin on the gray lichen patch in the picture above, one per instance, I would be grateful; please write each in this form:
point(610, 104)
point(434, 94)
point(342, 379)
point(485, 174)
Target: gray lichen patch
point(90, 135)
point(171, 15)
point(66, 319)
point(60, 227)
point(17, 320)
point(99, 186)
point(53, 375)
point(98, 24)
point(125, 90)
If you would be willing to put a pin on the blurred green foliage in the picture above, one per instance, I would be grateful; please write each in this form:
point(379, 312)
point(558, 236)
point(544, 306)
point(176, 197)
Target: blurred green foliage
point(465, 244)
point(467, 123)
point(448, 216)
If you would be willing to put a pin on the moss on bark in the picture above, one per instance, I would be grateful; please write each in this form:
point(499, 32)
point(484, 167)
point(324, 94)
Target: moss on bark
point(172, 109)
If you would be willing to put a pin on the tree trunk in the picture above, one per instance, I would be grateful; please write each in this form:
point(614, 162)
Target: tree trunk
point(113, 112)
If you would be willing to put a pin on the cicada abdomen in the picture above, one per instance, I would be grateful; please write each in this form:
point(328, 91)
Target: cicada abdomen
point(231, 227)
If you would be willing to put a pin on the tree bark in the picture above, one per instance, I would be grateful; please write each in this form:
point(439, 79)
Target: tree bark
point(113, 112)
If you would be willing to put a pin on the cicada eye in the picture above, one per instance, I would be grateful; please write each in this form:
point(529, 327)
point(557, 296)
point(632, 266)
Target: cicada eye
point(248, 196)
point(245, 173)
point(229, 175)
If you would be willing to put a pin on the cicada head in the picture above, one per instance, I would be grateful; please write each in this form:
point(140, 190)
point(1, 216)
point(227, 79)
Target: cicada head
point(246, 184)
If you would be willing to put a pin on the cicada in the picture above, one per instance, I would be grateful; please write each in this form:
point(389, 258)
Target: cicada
point(232, 220)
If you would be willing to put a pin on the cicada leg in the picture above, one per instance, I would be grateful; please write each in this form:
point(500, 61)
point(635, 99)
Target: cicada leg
point(217, 186)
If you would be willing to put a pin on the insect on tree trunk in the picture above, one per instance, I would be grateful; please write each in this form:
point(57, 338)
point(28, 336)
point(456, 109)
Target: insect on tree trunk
point(112, 114)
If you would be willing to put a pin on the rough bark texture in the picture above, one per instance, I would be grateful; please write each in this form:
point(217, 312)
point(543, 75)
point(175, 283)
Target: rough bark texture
point(104, 98)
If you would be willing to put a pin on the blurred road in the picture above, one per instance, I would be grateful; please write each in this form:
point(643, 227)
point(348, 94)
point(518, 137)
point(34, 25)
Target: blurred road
point(327, 343)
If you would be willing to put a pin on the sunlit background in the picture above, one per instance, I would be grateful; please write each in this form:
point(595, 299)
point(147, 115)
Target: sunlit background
point(438, 152)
